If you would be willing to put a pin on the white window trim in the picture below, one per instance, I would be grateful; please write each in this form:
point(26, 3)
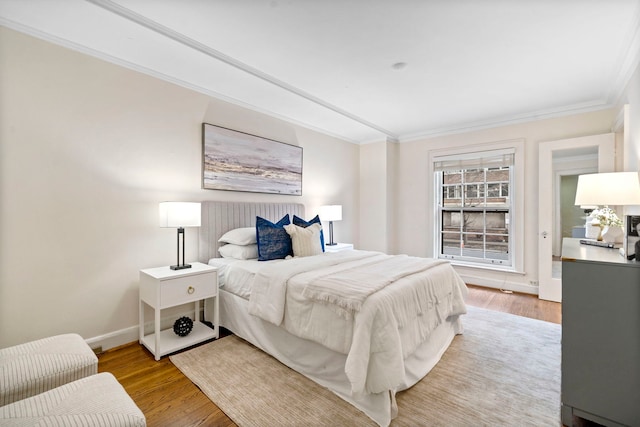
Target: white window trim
point(517, 213)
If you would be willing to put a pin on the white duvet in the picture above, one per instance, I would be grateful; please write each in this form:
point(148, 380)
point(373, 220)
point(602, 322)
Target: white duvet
point(375, 308)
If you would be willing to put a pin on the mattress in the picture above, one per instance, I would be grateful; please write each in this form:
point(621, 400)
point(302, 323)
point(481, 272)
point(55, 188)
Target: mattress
point(236, 276)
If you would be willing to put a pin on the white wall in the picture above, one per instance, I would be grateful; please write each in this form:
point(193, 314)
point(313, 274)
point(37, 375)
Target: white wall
point(87, 151)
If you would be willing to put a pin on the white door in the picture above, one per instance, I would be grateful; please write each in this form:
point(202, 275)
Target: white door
point(550, 287)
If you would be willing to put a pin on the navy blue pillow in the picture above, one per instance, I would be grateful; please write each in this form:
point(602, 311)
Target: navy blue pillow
point(273, 240)
point(304, 224)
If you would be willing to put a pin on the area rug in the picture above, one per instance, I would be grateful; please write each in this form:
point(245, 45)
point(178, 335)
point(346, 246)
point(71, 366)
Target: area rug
point(503, 371)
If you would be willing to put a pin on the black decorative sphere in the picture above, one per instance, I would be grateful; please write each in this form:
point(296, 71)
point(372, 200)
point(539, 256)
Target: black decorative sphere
point(183, 326)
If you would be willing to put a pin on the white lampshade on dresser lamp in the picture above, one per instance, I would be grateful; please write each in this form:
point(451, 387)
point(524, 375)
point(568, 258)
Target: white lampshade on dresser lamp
point(608, 189)
point(331, 213)
point(179, 215)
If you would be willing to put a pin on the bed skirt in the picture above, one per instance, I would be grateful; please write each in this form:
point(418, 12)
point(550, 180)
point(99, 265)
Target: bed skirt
point(326, 367)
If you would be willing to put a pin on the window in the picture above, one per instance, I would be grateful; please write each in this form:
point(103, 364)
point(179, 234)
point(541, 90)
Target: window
point(474, 207)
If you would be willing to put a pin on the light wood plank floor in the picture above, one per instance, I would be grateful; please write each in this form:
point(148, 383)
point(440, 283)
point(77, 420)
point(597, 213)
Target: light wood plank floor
point(168, 398)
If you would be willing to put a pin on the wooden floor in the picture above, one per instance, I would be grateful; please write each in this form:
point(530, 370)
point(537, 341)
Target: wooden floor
point(515, 303)
point(168, 398)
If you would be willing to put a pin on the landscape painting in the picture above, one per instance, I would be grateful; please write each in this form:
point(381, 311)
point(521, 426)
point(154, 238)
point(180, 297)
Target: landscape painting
point(238, 161)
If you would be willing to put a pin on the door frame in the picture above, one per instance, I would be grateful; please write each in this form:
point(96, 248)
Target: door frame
point(548, 287)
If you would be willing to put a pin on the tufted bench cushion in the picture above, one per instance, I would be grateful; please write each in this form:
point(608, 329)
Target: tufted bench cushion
point(37, 366)
point(98, 400)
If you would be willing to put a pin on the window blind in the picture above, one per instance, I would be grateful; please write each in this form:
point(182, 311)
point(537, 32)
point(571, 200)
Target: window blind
point(476, 160)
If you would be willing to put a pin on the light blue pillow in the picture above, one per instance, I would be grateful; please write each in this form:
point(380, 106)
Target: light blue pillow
point(273, 240)
point(304, 224)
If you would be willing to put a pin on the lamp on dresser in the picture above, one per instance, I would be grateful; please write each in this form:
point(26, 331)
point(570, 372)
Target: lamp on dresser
point(179, 215)
point(608, 189)
point(331, 213)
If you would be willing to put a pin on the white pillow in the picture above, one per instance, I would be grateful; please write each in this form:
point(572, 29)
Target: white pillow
point(240, 236)
point(239, 251)
point(305, 241)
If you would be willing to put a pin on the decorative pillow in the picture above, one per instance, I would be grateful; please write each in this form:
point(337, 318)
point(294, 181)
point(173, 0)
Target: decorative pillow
point(273, 240)
point(239, 251)
point(305, 241)
point(304, 224)
point(240, 236)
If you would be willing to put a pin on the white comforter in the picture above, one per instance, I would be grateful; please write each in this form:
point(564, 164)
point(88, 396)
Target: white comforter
point(393, 304)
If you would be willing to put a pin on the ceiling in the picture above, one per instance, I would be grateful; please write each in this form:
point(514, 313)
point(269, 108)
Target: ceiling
point(364, 70)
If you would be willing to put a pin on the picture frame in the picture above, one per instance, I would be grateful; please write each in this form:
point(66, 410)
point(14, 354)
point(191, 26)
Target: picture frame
point(238, 161)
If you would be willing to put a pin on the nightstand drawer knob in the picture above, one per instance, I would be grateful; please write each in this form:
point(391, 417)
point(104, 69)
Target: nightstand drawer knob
point(191, 290)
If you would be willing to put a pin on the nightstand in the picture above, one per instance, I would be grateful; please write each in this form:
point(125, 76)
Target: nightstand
point(162, 288)
point(338, 247)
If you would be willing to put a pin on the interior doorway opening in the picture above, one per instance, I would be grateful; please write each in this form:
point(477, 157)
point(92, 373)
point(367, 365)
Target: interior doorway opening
point(575, 156)
point(569, 219)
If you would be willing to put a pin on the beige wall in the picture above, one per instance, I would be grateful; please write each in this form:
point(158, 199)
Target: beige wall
point(378, 188)
point(88, 149)
point(415, 233)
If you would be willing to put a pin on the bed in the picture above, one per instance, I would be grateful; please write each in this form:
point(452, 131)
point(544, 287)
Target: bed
point(362, 345)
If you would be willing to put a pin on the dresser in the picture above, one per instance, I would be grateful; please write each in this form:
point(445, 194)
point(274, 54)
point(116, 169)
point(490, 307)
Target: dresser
point(600, 336)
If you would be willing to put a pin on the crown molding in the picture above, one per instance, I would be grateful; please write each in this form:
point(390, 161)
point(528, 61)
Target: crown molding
point(586, 107)
point(621, 75)
point(132, 16)
point(161, 76)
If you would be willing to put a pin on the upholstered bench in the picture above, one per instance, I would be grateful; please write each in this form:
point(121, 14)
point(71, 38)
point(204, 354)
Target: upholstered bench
point(37, 366)
point(98, 400)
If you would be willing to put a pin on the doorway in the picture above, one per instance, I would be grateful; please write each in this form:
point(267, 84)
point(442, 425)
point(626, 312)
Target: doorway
point(557, 159)
point(568, 219)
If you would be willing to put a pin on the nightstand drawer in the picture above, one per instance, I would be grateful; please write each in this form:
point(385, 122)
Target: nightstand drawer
point(186, 289)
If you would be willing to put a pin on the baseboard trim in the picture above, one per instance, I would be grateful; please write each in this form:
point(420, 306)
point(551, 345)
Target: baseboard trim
point(114, 339)
point(499, 284)
point(131, 334)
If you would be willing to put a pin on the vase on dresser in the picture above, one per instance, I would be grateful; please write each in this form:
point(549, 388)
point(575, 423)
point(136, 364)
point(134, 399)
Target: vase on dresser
point(593, 231)
point(612, 234)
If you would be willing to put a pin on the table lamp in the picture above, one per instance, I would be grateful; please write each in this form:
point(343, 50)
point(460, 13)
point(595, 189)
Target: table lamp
point(179, 215)
point(331, 213)
point(608, 189)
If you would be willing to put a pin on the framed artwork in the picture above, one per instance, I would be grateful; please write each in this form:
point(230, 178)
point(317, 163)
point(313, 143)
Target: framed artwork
point(238, 161)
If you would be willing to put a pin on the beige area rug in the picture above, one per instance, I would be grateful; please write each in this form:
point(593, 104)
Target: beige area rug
point(503, 371)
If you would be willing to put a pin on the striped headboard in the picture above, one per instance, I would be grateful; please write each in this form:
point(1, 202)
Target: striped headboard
point(220, 217)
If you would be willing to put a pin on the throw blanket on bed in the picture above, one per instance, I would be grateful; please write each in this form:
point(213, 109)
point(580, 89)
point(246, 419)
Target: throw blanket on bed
point(349, 291)
point(375, 326)
point(270, 284)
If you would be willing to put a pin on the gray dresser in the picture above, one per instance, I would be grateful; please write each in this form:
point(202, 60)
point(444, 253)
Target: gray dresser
point(600, 335)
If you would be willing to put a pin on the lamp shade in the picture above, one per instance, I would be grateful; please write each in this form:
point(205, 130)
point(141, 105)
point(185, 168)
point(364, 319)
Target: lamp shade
point(331, 213)
point(179, 214)
point(612, 189)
